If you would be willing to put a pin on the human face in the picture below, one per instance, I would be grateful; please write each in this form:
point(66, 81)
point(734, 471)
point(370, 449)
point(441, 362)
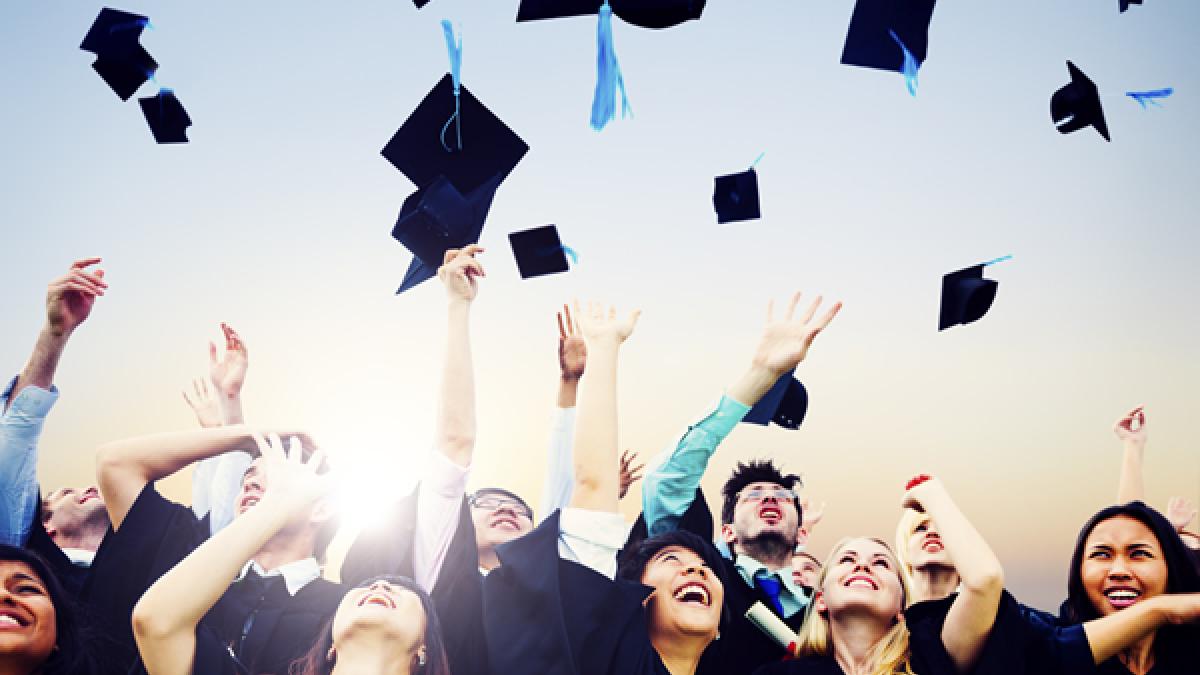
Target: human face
point(67, 510)
point(925, 546)
point(254, 485)
point(1122, 565)
point(761, 512)
point(28, 627)
point(380, 610)
point(863, 576)
point(498, 519)
point(805, 570)
point(687, 596)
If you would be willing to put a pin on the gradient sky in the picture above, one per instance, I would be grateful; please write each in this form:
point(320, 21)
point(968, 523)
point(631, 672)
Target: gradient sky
point(276, 218)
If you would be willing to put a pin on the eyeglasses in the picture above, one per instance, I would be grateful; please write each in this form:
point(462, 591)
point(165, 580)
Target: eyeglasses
point(492, 503)
point(759, 494)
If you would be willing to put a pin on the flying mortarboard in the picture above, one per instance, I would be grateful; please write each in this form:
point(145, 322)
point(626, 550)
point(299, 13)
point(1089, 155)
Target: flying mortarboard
point(1077, 105)
point(167, 119)
point(881, 30)
point(784, 404)
point(539, 251)
point(966, 295)
point(1126, 3)
point(437, 218)
point(735, 196)
point(645, 13)
point(120, 59)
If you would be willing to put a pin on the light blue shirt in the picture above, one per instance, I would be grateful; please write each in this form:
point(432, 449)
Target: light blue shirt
point(20, 428)
point(669, 489)
point(791, 596)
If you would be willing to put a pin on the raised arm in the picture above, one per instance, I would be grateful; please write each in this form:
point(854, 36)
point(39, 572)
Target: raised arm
point(1131, 429)
point(560, 465)
point(1109, 635)
point(597, 481)
point(455, 435)
point(165, 619)
point(670, 487)
point(972, 614)
point(24, 406)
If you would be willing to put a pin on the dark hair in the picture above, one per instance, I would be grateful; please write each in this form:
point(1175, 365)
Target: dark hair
point(755, 471)
point(73, 654)
point(501, 491)
point(633, 563)
point(1171, 642)
point(316, 661)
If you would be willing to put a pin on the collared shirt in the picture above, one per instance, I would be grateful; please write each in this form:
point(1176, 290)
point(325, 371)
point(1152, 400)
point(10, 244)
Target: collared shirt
point(439, 498)
point(296, 574)
point(670, 488)
point(20, 427)
point(791, 596)
point(590, 538)
point(79, 557)
point(560, 464)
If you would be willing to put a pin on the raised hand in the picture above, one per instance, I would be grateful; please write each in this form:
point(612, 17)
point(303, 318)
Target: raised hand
point(459, 272)
point(69, 298)
point(920, 490)
point(228, 374)
point(1180, 511)
point(785, 342)
point(572, 350)
point(1131, 428)
point(208, 413)
point(812, 517)
point(292, 482)
point(629, 472)
point(601, 326)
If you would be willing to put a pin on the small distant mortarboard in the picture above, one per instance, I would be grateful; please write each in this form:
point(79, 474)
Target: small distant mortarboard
point(167, 119)
point(645, 13)
point(784, 404)
point(878, 28)
point(539, 251)
point(1126, 3)
point(120, 58)
point(735, 197)
point(1077, 105)
point(966, 295)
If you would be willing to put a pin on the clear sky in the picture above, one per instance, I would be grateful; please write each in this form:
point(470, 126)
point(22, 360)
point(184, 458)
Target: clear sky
point(276, 218)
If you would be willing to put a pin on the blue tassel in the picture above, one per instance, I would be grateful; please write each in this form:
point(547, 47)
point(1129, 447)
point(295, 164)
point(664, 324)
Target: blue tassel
point(608, 74)
point(130, 25)
point(454, 48)
point(1001, 259)
point(1151, 97)
point(910, 65)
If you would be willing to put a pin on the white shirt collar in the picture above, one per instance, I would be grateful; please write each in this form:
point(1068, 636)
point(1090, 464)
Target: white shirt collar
point(296, 574)
point(80, 557)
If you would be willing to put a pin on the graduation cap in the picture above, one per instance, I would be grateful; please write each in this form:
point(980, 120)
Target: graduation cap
point(1077, 105)
point(735, 196)
point(966, 295)
point(437, 218)
point(784, 404)
point(120, 59)
point(655, 14)
point(539, 251)
point(881, 30)
point(1126, 3)
point(167, 119)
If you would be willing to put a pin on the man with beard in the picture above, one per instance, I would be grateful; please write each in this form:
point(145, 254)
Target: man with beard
point(760, 514)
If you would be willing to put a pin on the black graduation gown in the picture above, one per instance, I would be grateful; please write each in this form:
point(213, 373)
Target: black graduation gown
point(742, 647)
point(457, 595)
point(157, 534)
point(548, 616)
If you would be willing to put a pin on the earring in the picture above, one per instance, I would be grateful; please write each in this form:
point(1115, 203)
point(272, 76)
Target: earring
point(718, 636)
point(330, 655)
point(421, 656)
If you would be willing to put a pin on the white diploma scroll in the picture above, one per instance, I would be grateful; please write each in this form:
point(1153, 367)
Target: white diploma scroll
point(772, 625)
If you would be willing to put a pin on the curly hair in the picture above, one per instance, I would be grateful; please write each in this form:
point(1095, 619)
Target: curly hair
point(756, 471)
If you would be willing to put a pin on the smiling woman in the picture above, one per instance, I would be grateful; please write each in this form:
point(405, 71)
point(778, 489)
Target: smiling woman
point(39, 628)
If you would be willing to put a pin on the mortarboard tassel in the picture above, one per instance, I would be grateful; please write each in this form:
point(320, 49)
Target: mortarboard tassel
point(130, 25)
point(910, 65)
point(1151, 96)
point(1001, 259)
point(454, 48)
point(608, 74)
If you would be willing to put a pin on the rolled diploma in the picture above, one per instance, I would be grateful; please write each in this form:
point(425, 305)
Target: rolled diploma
point(772, 625)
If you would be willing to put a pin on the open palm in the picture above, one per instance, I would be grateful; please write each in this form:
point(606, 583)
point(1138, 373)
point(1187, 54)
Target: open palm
point(785, 342)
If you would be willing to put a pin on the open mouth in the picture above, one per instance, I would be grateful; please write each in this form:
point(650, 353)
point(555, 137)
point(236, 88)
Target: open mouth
point(695, 593)
point(248, 501)
point(506, 523)
point(1121, 597)
point(10, 619)
point(861, 581)
point(932, 546)
point(88, 495)
point(770, 514)
point(377, 600)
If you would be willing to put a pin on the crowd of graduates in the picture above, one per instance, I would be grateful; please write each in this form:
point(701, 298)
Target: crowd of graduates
point(118, 578)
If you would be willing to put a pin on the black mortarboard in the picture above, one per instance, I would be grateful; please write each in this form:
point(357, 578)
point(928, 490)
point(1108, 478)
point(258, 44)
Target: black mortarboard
point(538, 251)
point(167, 119)
point(869, 42)
point(784, 404)
point(120, 59)
point(437, 218)
point(1079, 104)
point(419, 148)
point(644, 13)
point(1126, 3)
point(966, 296)
point(735, 196)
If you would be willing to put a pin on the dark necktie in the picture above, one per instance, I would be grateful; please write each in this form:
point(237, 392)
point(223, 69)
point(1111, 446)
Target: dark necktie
point(772, 586)
point(251, 593)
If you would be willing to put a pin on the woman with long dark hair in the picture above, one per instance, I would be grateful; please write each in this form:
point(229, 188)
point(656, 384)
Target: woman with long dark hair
point(40, 628)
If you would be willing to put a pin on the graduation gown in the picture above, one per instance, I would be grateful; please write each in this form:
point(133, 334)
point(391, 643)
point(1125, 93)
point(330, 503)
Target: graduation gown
point(458, 593)
point(549, 616)
point(157, 534)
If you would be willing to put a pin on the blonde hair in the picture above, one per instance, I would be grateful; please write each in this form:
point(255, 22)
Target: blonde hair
point(910, 520)
point(890, 655)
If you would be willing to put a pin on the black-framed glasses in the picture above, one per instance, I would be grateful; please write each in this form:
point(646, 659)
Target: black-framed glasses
point(494, 502)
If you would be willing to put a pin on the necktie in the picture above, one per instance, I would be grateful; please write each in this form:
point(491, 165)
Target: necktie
point(772, 586)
